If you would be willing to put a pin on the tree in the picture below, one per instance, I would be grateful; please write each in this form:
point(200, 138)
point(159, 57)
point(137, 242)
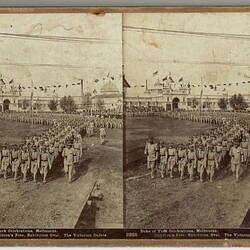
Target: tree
point(53, 105)
point(38, 104)
point(237, 102)
point(222, 103)
point(26, 104)
point(68, 104)
point(99, 104)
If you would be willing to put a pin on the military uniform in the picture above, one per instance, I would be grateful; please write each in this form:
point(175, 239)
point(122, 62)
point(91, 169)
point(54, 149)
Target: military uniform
point(45, 164)
point(172, 159)
point(15, 161)
point(34, 162)
point(192, 160)
point(182, 161)
point(236, 154)
point(163, 160)
point(151, 151)
point(25, 163)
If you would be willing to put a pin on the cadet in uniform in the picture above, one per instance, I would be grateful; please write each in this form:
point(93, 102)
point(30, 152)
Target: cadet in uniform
point(45, 164)
point(163, 158)
point(5, 160)
point(102, 135)
point(15, 161)
point(211, 162)
point(201, 161)
point(151, 151)
point(236, 154)
point(182, 160)
point(34, 162)
point(172, 159)
point(25, 162)
point(192, 160)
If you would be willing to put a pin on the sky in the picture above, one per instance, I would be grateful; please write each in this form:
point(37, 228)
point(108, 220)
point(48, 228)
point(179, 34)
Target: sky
point(197, 57)
point(54, 49)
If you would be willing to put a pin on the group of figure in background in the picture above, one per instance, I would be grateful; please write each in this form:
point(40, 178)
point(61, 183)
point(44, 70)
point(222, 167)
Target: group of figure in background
point(60, 145)
point(206, 154)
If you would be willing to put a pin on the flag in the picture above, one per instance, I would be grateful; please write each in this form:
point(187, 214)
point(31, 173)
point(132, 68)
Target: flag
point(155, 73)
point(181, 79)
point(165, 78)
point(171, 79)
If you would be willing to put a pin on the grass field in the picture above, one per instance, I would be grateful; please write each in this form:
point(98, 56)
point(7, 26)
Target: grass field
point(15, 132)
point(172, 203)
point(57, 201)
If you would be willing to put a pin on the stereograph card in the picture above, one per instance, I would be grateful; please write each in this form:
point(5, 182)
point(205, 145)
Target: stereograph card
point(124, 126)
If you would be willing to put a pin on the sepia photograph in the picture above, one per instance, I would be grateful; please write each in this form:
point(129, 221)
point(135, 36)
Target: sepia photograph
point(187, 128)
point(61, 110)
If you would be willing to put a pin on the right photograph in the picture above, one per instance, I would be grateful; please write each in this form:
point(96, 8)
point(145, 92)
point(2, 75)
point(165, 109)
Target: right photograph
point(187, 120)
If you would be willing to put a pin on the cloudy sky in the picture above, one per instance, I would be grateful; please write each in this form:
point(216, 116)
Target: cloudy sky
point(53, 49)
point(210, 47)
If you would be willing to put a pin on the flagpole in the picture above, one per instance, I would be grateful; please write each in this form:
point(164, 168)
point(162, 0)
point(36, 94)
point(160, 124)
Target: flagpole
point(31, 98)
point(201, 94)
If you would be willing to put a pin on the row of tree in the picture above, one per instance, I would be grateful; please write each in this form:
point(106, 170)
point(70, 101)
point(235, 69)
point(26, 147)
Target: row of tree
point(236, 102)
point(66, 103)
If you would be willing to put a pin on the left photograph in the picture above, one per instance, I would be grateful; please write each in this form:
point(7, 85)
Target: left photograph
point(61, 109)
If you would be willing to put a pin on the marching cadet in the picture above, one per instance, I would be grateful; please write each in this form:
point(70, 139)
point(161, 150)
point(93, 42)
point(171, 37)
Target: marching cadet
point(102, 135)
point(211, 162)
point(146, 153)
point(218, 153)
point(25, 162)
point(15, 161)
point(70, 161)
point(51, 151)
point(163, 158)
point(236, 154)
point(34, 162)
point(152, 153)
point(78, 150)
point(6, 159)
point(172, 159)
point(224, 147)
point(191, 160)
point(182, 160)
point(56, 147)
point(45, 164)
point(201, 161)
point(245, 150)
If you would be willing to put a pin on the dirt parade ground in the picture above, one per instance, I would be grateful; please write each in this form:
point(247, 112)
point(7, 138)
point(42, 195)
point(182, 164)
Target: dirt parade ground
point(58, 204)
point(172, 203)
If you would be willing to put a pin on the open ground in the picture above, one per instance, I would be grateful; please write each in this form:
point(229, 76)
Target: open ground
point(59, 204)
